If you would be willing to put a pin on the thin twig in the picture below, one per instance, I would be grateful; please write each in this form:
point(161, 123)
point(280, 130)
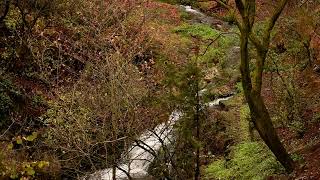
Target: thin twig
point(7, 130)
point(215, 39)
point(110, 141)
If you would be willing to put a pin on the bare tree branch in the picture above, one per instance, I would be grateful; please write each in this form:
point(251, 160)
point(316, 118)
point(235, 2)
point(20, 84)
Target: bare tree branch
point(272, 20)
point(215, 39)
point(4, 133)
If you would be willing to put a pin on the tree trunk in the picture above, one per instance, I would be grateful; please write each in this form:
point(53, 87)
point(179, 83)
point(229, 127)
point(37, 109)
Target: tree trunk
point(263, 124)
point(252, 85)
point(258, 110)
point(114, 172)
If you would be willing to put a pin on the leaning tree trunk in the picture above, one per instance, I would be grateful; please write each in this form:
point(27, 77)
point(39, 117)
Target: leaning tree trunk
point(263, 124)
point(259, 113)
point(252, 84)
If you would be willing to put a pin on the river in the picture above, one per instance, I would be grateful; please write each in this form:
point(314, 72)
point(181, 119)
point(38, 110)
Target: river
point(142, 152)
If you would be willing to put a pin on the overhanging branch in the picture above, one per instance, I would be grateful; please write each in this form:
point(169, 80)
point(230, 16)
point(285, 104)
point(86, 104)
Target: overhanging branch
point(272, 21)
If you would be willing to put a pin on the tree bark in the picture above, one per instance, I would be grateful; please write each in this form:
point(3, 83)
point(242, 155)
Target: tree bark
point(252, 85)
point(263, 124)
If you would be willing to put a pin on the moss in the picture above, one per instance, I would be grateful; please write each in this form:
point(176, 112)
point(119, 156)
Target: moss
point(298, 126)
point(249, 160)
point(297, 157)
point(185, 15)
point(244, 132)
point(210, 53)
point(202, 31)
point(218, 170)
point(239, 87)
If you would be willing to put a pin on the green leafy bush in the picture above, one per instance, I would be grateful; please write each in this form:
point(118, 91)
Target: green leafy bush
point(250, 160)
point(13, 167)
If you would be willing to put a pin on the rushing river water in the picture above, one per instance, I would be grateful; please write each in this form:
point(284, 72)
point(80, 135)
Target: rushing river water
point(141, 154)
point(193, 11)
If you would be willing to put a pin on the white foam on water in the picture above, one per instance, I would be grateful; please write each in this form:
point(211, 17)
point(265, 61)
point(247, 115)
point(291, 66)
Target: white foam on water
point(217, 101)
point(140, 154)
point(190, 10)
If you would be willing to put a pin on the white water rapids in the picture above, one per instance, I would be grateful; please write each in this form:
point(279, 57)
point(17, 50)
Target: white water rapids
point(193, 11)
point(140, 154)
